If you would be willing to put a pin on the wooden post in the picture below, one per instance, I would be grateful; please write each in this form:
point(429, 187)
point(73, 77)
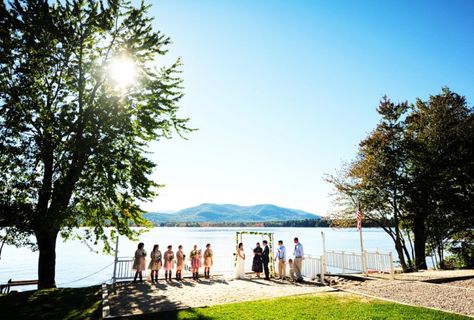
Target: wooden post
point(324, 243)
point(392, 271)
point(323, 258)
point(343, 263)
point(114, 277)
point(321, 269)
point(324, 248)
point(364, 264)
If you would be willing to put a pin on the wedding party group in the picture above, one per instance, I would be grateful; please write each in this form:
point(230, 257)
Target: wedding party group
point(169, 259)
point(261, 259)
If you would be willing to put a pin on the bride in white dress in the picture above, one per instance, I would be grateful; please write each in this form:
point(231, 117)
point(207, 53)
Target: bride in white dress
point(239, 267)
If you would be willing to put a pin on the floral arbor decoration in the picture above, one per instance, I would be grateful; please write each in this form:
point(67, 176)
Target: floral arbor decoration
point(265, 236)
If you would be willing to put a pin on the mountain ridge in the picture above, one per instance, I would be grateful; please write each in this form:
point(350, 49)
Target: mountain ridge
point(211, 212)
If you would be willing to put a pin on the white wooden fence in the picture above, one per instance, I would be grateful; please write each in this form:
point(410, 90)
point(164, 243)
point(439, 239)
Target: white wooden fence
point(345, 261)
point(222, 264)
point(123, 267)
point(351, 262)
point(313, 267)
point(379, 262)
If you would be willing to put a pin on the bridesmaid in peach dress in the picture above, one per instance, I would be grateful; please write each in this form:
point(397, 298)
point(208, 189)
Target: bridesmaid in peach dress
point(139, 261)
point(195, 257)
point(207, 261)
point(168, 258)
point(179, 262)
point(155, 263)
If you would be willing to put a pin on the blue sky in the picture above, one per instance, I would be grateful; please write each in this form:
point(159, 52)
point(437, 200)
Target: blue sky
point(283, 91)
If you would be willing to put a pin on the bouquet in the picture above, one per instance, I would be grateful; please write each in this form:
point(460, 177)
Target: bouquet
point(157, 256)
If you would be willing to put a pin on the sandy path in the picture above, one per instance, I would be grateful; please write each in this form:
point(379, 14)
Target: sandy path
point(440, 296)
point(469, 283)
point(425, 275)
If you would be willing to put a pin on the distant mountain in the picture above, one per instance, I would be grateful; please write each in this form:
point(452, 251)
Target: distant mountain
point(209, 212)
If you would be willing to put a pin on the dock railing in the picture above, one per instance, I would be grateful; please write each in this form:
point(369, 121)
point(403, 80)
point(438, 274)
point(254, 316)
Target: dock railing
point(313, 266)
point(366, 262)
point(123, 267)
point(379, 262)
point(346, 261)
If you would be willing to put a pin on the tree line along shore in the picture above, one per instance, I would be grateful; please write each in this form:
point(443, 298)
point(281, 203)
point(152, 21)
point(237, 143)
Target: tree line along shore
point(306, 223)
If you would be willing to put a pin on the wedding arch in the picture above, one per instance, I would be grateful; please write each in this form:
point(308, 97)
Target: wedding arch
point(265, 236)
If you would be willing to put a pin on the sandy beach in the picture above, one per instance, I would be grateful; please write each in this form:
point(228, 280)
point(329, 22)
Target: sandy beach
point(128, 298)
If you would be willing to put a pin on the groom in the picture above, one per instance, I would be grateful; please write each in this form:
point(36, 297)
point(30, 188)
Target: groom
point(266, 259)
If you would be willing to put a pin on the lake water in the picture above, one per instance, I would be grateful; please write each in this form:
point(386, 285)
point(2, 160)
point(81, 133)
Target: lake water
point(75, 262)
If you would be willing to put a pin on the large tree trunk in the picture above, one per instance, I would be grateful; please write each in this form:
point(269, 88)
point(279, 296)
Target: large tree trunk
point(46, 240)
point(407, 255)
point(401, 257)
point(398, 246)
point(420, 242)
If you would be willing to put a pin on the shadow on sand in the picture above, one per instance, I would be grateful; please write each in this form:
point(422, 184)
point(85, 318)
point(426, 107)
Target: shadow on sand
point(149, 301)
point(152, 301)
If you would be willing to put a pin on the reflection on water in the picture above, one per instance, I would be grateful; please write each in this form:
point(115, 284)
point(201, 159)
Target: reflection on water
point(75, 260)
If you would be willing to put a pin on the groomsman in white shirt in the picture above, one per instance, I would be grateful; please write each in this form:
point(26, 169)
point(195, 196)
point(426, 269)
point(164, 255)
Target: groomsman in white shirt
point(299, 256)
point(281, 256)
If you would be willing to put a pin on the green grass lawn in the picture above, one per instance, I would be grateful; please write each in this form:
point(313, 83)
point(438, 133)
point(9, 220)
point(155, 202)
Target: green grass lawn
point(64, 303)
point(321, 306)
point(84, 303)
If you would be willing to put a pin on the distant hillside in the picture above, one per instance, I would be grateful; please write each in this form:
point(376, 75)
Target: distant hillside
point(209, 212)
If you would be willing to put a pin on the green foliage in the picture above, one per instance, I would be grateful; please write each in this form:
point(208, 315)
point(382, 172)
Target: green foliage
point(72, 142)
point(461, 248)
point(12, 236)
point(440, 191)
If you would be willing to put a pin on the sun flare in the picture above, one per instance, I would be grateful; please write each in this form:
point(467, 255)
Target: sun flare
point(123, 72)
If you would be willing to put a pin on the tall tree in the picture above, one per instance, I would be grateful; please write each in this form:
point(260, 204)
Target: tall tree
point(374, 180)
point(72, 138)
point(379, 167)
point(416, 168)
point(440, 192)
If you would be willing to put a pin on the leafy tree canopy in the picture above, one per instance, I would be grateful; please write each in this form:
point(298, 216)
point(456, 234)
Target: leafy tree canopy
point(415, 169)
point(72, 139)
